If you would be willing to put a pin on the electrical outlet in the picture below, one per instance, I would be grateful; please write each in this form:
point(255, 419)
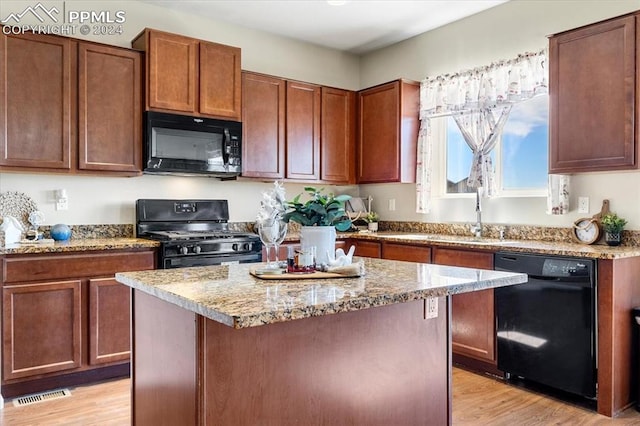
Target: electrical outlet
point(392, 204)
point(62, 204)
point(431, 308)
point(583, 204)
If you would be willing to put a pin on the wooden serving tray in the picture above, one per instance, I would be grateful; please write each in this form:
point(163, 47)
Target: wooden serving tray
point(299, 276)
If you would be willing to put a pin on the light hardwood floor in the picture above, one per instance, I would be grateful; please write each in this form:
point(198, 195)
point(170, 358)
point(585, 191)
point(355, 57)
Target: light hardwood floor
point(483, 400)
point(477, 401)
point(105, 404)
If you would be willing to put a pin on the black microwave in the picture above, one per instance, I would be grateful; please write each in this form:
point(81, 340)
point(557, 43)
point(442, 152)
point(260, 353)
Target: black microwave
point(184, 145)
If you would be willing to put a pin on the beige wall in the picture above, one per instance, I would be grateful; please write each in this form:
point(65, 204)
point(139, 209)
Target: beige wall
point(498, 33)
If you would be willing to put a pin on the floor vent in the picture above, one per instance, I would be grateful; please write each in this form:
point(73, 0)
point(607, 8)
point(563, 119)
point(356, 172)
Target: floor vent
point(41, 397)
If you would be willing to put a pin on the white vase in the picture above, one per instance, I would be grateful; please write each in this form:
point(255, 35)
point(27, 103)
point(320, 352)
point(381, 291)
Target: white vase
point(323, 238)
point(373, 226)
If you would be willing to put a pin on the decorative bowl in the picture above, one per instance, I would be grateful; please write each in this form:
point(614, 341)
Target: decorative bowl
point(60, 232)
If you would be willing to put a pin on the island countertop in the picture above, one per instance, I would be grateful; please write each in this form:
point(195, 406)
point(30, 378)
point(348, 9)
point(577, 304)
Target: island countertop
point(230, 295)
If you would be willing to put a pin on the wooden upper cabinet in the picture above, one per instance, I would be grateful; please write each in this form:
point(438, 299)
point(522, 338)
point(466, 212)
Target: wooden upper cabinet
point(303, 131)
point(388, 132)
point(594, 122)
point(263, 126)
point(338, 123)
point(298, 131)
point(220, 81)
point(109, 108)
point(190, 76)
point(37, 88)
point(172, 81)
point(70, 106)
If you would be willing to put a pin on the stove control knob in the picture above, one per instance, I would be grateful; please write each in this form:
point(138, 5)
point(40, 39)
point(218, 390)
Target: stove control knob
point(184, 249)
point(197, 249)
point(234, 247)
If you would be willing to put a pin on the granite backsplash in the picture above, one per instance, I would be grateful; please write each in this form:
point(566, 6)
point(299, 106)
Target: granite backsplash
point(511, 232)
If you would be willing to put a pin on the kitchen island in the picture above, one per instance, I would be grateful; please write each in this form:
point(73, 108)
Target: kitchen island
point(215, 345)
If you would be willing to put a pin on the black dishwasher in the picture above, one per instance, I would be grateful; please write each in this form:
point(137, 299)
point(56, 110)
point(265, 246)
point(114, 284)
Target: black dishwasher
point(546, 327)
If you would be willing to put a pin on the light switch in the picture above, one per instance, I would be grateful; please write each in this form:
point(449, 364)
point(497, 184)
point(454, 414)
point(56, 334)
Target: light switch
point(392, 204)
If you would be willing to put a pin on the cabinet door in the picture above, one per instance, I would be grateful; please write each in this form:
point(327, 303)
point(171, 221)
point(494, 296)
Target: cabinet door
point(220, 81)
point(303, 131)
point(338, 136)
point(109, 321)
point(378, 148)
point(406, 252)
point(37, 92)
point(592, 82)
point(472, 314)
point(41, 328)
point(173, 72)
point(263, 126)
point(388, 132)
point(109, 109)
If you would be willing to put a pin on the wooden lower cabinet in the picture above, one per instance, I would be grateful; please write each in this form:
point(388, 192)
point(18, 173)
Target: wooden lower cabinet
point(472, 314)
point(406, 252)
point(42, 328)
point(65, 320)
point(366, 248)
point(109, 320)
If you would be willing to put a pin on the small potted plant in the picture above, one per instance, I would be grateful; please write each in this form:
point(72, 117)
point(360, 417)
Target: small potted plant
point(318, 216)
point(372, 220)
point(613, 225)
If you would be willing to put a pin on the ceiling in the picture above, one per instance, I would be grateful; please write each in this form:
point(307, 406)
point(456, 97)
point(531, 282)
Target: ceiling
point(357, 26)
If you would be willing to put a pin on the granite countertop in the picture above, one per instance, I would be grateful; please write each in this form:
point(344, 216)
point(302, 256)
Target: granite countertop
point(595, 251)
point(83, 244)
point(230, 295)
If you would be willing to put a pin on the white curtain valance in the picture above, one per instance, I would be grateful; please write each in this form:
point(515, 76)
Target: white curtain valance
point(491, 86)
point(470, 96)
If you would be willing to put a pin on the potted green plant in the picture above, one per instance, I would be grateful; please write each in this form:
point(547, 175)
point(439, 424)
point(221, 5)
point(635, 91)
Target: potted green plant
point(318, 216)
point(613, 225)
point(372, 219)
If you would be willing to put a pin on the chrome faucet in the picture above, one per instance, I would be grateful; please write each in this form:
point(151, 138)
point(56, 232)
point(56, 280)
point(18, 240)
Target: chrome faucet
point(477, 228)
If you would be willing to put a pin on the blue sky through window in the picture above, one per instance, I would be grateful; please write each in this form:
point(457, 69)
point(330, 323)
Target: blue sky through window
point(524, 148)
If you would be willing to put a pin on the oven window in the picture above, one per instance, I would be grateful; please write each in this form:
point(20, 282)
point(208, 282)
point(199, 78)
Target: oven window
point(187, 145)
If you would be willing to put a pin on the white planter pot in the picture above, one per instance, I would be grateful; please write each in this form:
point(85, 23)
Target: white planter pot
point(373, 226)
point(323, 238)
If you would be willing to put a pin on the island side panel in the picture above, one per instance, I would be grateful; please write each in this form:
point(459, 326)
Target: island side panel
point(379, 366)
point(164, 363)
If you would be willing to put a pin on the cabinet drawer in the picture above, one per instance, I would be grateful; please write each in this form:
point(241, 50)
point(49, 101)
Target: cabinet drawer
point(63, 266)
point(406, 252)
point(464, 258)
point(367, 249)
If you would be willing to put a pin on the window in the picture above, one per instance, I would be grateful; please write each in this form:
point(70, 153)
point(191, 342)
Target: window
point(520, 158)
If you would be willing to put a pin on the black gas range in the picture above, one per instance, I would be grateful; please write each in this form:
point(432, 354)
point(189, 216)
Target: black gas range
point(194, 233)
